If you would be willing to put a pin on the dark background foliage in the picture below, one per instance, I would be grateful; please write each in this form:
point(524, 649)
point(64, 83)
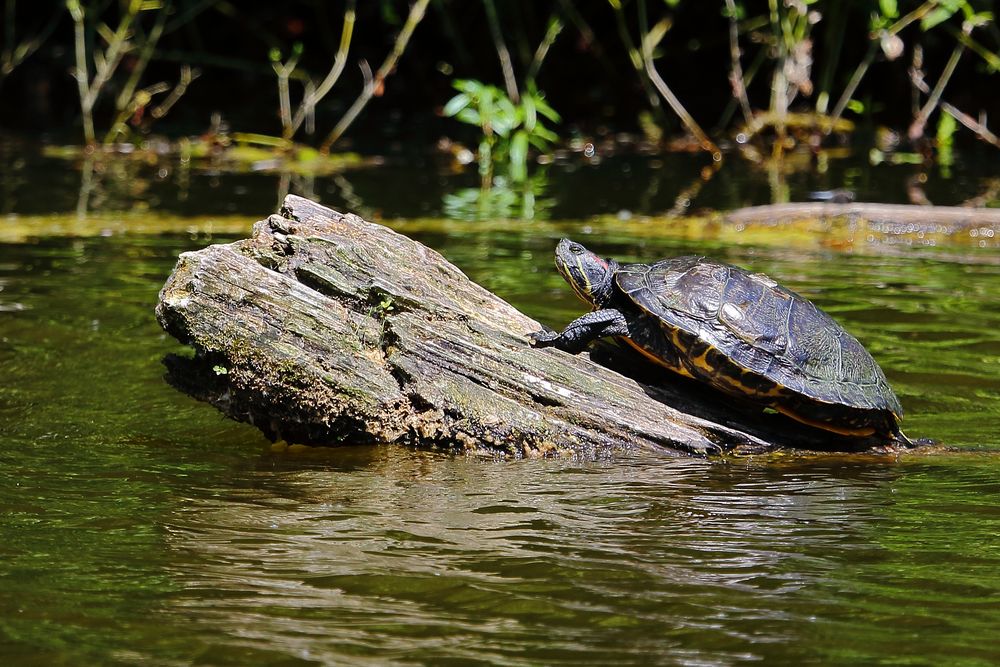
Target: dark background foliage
point(589, 81)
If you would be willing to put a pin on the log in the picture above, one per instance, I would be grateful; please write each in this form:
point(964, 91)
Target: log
point(323, 328)
point(890, 218)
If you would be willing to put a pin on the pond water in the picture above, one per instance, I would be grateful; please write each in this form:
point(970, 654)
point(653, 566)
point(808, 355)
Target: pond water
point(139, 526)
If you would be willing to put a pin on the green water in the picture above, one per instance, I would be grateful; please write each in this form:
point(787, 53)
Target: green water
point(139, 527)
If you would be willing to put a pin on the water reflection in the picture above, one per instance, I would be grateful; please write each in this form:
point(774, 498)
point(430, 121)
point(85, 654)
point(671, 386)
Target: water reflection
point(503, 200)
point(412, 185)
point(393, 554)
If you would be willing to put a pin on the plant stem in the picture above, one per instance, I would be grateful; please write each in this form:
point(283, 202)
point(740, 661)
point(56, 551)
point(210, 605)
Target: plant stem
point(82, 73)
point(965, 119)
point(917, 127)
point(635, 58)
point(587, 33)
point(359, 103)
point(862, 68)
point(736, 77)
point(283, 72)
point(779, 84)
point(852, 84)
point(505, 62)
point(105, 63)
point(834, 43)
point(128, 90)
point(14, 53)
point(416, 15)
point(137, 100)
point(675, 104)
point(748, 77)
point(555, 27)
point(187, 76)
point(312, 98)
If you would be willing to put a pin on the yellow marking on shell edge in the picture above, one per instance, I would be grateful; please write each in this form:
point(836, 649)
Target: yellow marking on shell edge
point(701, 361)
point(839, 430)
point(776, 391)
point(727, 383)
point(680, 370)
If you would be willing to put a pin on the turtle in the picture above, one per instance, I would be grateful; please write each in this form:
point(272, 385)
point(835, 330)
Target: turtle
point(739, 332)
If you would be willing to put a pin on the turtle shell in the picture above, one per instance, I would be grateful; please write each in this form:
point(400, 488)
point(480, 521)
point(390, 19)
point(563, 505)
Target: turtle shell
point(748, 336)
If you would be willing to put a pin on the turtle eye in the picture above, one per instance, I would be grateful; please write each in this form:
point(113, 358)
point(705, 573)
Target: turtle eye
point(576, 248)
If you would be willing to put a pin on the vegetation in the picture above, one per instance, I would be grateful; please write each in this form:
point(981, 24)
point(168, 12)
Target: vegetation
point(774, 76)
point(508, 127)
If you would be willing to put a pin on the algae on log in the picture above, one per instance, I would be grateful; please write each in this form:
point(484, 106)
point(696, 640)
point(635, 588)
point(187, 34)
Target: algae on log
point(324, 328)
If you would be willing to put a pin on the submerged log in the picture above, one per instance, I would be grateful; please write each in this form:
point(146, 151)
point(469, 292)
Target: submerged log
point(324, 328)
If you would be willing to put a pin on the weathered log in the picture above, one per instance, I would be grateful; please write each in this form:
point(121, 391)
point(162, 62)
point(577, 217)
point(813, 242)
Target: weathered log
point(324, 328)
point(890, 217)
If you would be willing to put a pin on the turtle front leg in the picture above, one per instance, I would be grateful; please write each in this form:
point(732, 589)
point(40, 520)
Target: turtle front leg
point(582, 331)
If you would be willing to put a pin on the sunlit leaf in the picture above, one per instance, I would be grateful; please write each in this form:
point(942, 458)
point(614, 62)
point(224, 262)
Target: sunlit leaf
point(888, 8)
point(469, 115)
point(467, 86)
point(530, 114)
point(502, 124)
point(541, 144)
point(935, 17)
point(543, 108)
point(545, 133)
point(456, 104)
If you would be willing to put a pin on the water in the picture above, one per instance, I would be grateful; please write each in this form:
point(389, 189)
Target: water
point(139, 527)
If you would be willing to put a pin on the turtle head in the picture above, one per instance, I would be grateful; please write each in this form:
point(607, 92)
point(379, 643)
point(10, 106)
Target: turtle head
point(590, 276)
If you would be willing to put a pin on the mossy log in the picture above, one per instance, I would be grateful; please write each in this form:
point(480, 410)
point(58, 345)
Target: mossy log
point(323, 328)
point(890, 218)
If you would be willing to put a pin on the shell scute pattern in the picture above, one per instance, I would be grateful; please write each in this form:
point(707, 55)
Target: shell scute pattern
point(757, 333)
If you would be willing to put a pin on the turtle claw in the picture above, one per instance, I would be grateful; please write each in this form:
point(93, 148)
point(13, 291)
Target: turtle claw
point(544, 338)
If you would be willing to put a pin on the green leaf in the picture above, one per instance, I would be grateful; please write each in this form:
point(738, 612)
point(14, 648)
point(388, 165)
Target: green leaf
point(738, 13)
point(470, 116)
point(888, 8)
point(945, 142)
point(980, 19)
point(545, 133)
point(856, 106)
point(519, 156)
point(507, 110)
point(544, 109)
point(456, 104)
point(541, 144)
point(530, 113)
point(946, 129)
point(467, 86)
point(502, 124)
point(935, 17)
